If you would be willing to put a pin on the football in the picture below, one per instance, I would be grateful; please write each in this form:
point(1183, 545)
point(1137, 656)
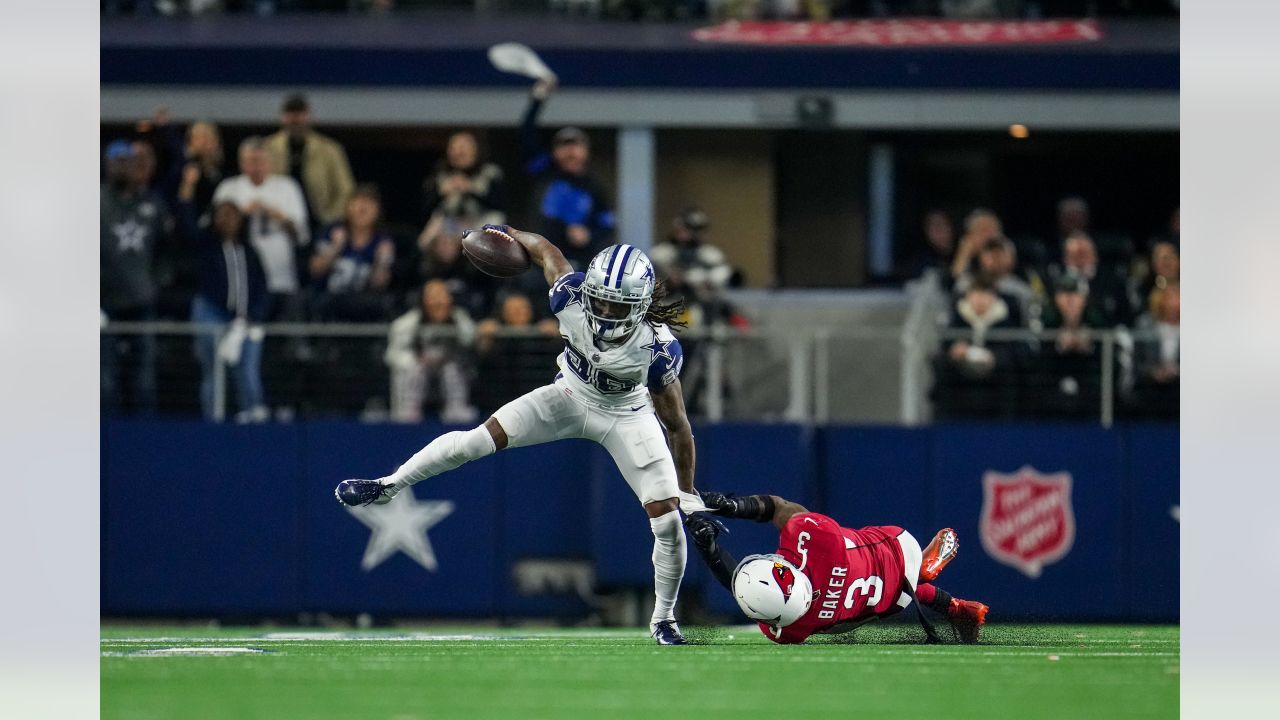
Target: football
point(495, 252)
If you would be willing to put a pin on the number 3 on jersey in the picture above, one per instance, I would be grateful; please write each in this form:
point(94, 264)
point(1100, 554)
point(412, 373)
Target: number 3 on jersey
point(872, 585)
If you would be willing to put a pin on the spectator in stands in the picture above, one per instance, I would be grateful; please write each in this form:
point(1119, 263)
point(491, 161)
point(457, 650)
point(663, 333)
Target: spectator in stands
point(515, 362)
point(1157, 355)
point(1069, 372)
point(173, 289)
point(463, 189)
point(1073, 217)
point(936, 250)
point(203, 158)
point(1165, 270)
point(277, 215)
point(1166, 262)
point(691, 266)
point(997, 261)
point(574, 211)
point(316, 162)
point(165, 142)
point(1072, 315)
point(231, 304)
point(979, 310)
point(200, 166)
point(697, 271)
point(1107, 287)
point(133, 224)
point(976, 375)
point(427, 351)
point(1159, 358)
point(1159, 266)
point(1113, 249)
point(142, 171)
point(515, 310)
point(352, 262)
point(980, 226)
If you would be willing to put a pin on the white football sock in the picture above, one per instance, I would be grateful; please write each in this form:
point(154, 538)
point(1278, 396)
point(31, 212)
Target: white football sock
point(669, 555)
point(442, 455)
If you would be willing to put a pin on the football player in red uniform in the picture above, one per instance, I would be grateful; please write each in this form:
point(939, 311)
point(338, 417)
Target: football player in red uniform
point(824, 578)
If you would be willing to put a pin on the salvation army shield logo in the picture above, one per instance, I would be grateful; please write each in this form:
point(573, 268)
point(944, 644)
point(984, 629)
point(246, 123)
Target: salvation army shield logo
point(1027, 521)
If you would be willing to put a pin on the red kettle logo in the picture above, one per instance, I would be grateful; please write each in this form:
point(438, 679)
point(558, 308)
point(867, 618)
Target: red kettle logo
point(1027, 521)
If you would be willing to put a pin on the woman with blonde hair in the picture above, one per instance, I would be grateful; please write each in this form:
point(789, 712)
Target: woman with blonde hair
point(202, 165)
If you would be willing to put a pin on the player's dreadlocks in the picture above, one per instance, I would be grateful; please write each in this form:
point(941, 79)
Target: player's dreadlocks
point(665, 313)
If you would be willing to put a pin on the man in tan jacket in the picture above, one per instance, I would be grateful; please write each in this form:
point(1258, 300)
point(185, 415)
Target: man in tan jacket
point(317, 162)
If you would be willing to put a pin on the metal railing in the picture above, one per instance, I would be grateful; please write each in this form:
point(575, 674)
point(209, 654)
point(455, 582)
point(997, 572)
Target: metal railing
point(807, 375)
point(715, 356)
point(1033, 341)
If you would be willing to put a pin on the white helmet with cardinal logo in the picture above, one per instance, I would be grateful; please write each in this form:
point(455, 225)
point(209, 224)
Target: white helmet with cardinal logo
point(770, 589)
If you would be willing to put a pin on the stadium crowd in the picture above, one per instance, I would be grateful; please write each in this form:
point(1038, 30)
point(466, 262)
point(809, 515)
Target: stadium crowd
point(1064, 289)
point(294, 238)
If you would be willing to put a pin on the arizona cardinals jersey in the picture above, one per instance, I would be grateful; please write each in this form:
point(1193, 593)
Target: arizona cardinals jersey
point(857, 574)
point(618, 376)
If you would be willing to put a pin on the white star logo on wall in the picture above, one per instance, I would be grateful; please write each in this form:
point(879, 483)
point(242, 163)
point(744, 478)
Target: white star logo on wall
point(401, 525)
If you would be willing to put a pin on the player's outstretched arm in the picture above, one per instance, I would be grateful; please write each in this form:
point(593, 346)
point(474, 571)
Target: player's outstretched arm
point(761, 508)
point(668, 403)
point(783, 510)
point(541, 251)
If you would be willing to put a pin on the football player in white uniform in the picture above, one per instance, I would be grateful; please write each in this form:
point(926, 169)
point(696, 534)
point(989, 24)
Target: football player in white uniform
point(619, 385)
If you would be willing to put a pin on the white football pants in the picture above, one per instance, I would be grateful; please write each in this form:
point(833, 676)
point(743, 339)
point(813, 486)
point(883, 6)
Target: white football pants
point(634, 439)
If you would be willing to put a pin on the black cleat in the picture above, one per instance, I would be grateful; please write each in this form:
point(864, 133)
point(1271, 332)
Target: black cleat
point(354, 493)
point(667, 632)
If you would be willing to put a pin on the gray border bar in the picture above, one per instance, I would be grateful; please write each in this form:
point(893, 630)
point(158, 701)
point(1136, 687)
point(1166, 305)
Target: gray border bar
point(659, 109)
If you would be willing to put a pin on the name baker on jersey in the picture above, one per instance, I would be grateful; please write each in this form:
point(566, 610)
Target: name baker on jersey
point(831, 603)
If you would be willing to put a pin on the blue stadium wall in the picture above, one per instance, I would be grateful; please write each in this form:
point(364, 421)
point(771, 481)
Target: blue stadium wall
point(221, 520)
point(452, 51)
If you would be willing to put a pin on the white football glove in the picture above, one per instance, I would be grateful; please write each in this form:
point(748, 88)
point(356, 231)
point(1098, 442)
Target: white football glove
point(691, 503)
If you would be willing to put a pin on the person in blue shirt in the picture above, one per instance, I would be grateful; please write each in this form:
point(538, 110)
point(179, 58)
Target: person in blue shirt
point(573, 209)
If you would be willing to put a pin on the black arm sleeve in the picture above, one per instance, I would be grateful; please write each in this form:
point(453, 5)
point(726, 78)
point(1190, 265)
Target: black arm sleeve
point(720, 561)
point(751, 507)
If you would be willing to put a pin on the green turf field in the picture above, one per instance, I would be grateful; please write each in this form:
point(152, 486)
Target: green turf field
point(1043, 671)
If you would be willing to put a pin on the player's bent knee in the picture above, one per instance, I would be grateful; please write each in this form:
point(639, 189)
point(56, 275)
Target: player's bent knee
point(496, 433)
point(658, 508)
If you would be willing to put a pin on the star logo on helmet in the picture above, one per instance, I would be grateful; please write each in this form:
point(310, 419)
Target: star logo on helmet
point(660, 348)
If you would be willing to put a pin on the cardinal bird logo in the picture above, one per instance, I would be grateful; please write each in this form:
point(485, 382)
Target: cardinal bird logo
point(785, 578)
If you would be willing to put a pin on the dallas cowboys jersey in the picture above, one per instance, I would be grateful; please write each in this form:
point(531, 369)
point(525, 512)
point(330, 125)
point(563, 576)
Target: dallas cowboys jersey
point(133, 224)
point(621, 375)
